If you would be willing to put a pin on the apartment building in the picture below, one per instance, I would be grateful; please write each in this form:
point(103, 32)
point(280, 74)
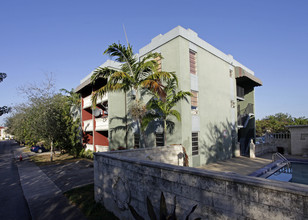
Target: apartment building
point(219, 115)
point(95, 122)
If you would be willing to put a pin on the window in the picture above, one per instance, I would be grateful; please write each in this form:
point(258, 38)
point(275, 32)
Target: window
point(195, 143)
point(240, 92)
point(159, 139)
point(136, 140)
point(192, 62)
point(194, 100)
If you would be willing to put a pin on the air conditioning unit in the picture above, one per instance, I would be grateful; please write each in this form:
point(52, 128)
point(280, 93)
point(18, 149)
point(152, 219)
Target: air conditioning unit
point(97, 112)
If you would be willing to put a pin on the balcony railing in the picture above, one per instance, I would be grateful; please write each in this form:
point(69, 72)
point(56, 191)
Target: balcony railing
point(87, 125)
point(244, 115)
point(102, 124)
point(87, 102)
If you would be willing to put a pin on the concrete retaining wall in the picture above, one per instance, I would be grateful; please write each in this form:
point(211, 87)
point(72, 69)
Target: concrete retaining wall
point(170, 154)
point(264, 148)
point(120, 180)
point(279, 140)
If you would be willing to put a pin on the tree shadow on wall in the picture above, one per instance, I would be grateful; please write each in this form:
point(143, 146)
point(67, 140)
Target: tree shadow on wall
point(127, 125)
point(218, 143)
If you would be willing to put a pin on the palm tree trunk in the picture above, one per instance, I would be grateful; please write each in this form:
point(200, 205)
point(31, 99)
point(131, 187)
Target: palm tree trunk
point(125, 122)
point(143, 135)
point(140, 134)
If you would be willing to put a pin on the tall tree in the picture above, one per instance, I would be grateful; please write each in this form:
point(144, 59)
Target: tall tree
point(277, 123)
point(2, 76)
point(134, 75)
point(46, 117)
point(4, 109)
point(162, 109)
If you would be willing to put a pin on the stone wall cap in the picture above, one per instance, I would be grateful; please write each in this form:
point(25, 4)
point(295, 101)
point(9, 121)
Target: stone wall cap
point(232, 177)
point(297, 126)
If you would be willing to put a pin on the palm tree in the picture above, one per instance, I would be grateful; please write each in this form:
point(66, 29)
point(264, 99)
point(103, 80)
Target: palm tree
point(134, 75)
point(161, 109)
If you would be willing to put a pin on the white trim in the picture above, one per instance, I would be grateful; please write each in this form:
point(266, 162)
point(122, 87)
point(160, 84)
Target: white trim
point(101, 148)
point(193, 47)
point(89, 147)
point(109, 63)
point(102, 124)
point(191, 36)
point(87, 125)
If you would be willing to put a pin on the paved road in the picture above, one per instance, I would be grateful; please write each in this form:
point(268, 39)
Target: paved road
point(13, 203)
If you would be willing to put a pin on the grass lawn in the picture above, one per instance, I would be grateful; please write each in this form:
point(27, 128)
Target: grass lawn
point(44, 159)
point(83, 198)
point(26, 149)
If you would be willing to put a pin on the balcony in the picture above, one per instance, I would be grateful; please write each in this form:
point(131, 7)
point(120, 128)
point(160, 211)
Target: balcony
point(244, 115)
point(102, 124)
point(87, 102)
point(87, 125)
point(244, 78)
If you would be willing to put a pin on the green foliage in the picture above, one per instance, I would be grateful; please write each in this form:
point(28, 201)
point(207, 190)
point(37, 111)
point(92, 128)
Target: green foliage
point(277, 123)
point(86, 154)
point(2, 76)
point(4, 109)
point(163, 212)
point(46, 117)
point(161, 109)
point(135, 75)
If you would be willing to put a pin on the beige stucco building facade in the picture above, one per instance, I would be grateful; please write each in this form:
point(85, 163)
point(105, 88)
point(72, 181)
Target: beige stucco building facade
point(299, 140)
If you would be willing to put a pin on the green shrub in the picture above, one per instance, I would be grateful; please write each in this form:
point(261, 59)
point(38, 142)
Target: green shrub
point(86, 154)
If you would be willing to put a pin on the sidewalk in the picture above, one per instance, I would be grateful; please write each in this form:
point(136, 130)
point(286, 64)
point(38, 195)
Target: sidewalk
point(45, 199)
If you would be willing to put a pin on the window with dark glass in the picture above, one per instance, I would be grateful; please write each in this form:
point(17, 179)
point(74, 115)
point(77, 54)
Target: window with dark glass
point(136, 140)
point(195, 143)
point(159, 139)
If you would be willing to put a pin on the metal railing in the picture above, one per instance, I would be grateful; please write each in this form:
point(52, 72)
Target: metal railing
point(243, 115)
point(279, 156)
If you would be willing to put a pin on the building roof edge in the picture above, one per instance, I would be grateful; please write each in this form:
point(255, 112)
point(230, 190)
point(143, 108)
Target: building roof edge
point(191, 36)
point(87, 80)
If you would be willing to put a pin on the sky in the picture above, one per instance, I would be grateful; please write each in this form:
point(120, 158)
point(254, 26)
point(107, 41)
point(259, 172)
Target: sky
point(67, 38)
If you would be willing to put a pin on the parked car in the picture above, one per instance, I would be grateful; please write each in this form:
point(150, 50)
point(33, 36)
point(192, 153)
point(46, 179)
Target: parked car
point(38, 149)
point(260, 140)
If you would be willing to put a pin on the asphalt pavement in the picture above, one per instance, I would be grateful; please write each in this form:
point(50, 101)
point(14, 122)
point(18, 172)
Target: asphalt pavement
point(43, 188)
point(13, 203)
